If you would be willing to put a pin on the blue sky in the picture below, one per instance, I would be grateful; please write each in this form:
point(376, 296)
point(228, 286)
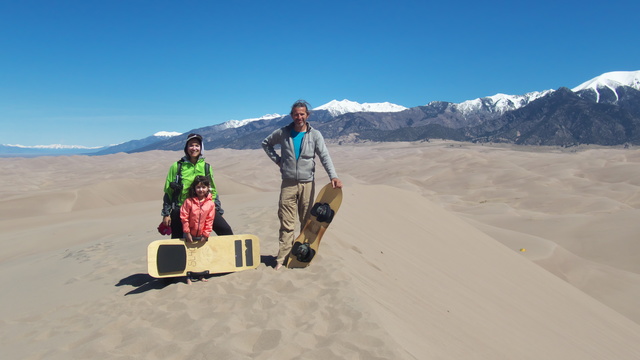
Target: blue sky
point(97, 73)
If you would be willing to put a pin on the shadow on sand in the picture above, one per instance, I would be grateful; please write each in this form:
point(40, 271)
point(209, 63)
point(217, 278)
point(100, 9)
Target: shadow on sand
point(145, 282)
point(268, 260)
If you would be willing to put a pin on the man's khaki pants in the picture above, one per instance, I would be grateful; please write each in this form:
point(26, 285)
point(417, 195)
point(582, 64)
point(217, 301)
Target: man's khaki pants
point(295, 199)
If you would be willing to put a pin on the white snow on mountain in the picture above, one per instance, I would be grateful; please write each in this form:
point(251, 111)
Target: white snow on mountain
point(53, 147)
point(239, 123)
point(345, 106)
point(611, 80)
point(500, 103)
point(167, 134)
point(164, 134)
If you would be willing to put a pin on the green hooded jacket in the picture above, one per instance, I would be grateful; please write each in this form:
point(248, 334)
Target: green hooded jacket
point(189, 172)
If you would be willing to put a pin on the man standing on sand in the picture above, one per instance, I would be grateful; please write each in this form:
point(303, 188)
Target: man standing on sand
point(299, 144)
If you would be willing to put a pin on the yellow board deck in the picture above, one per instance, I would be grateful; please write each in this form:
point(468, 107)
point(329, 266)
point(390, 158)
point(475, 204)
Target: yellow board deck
point(221, 254)
point(306, 245)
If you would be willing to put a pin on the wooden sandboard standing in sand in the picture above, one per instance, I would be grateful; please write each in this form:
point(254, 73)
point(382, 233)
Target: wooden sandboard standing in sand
point(323, 210)
point(221, 254)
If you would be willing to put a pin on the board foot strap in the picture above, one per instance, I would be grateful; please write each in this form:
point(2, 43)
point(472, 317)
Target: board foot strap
point(322, 212)
point(303, 252)
point(197, 274)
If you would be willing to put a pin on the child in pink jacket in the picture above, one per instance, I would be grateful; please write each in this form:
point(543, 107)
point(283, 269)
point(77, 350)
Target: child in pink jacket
point(197, 211)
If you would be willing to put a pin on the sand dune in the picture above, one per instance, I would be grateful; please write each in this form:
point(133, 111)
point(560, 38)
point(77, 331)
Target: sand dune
point(422, 262)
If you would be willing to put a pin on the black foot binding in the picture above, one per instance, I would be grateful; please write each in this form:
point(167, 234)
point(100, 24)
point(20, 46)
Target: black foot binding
point(322, 212)
point(303, 252)
point(194, 275)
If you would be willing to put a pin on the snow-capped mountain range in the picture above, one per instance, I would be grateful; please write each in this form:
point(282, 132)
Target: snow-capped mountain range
point(136, 144)
point(159, 135)
point(500, 103)
point(54, 147)
point(606, 84)
point(239, 123)
point(334, 107)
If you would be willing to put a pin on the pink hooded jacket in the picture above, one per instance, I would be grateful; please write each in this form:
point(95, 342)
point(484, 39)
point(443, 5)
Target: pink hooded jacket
point(197, 216)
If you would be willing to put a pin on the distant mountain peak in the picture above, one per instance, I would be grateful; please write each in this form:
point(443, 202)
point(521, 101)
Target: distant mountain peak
point(54, 147)
point(239, 123)
point(167, 134)
point(335, 107)
point(500, 103)
point(613, 80)
point(609, 82)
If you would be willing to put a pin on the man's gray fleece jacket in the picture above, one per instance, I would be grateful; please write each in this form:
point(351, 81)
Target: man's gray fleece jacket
point(304, 168)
